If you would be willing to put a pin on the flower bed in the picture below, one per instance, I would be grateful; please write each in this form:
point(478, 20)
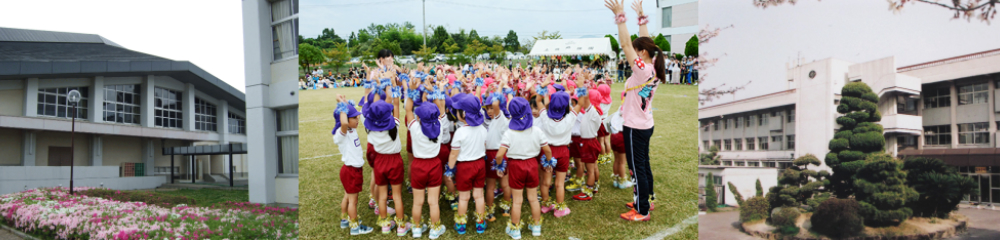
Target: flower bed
point(53, 213)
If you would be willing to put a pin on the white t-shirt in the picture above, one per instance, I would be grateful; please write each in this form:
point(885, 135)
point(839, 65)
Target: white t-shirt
point(524, 144)
point(350, 148)
point(616, 122)
point(606, 107)
point(447, 127)
point(495, 129)
point(590, 121)
point(423, 147)
point(471, 143)
point(383, 143)
point(558, 131)
point(575, 131)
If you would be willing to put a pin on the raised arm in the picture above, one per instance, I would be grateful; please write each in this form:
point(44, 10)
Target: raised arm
point(617, 7)
point(637, 6)
point(409, 103)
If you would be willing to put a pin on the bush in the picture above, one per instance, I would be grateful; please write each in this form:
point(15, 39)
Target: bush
point(753, 209)
point(940, 187)
point(760, 189)
point(787, 230)
point(880, 190)
point(151, 198)
point(785, 216)
point(736, 194)
point(838, 218)
point(711, 197)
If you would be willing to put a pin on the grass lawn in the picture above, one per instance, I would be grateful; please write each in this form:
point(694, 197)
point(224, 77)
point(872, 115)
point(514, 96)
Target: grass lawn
point(207, 197)
point(674, 163)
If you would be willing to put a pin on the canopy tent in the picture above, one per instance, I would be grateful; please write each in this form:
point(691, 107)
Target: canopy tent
point(579, 46)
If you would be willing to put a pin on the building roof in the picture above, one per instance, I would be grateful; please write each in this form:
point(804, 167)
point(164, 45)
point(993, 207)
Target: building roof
point(33, 53)
point(965, 57)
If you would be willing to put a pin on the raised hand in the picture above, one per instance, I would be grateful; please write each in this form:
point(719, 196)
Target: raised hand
point(637, 6)
point(615, 6)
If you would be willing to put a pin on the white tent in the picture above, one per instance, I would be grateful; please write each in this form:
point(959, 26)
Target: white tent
point(570, 47)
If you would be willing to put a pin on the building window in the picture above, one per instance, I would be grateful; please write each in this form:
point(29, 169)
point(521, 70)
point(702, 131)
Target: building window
point(907, 142)
point(715, 125)
point(750, 144)
point(973, 133)
point(937, 97)
point(668, 14)
point(717, 179)
point(285, 28)
point(791, 115)
point(727, 163)
point(237, 124)
point(973, 94)
point(937, 135)
point(739, 122)
point(783, 165)
point(729, 145)
point(288, 141)
point(204, 115)
point(753, 164)
point(790, 142)
point(777, 140)
point(707, 146)
point(717, 143)
point(741, 163)
point(705, 125)
point(729, 123)
point(763, 143)
point(169, 112)
point(739, 144)
point(906, 105)
point(770, 164)
point(52, 102)
point(750, 120)
point(763, 120)
point(122, 104)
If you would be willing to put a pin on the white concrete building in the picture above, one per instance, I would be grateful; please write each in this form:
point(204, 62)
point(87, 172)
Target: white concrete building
point(943, 109)
point(270, 30)
point(677, 20)
point(133, 105)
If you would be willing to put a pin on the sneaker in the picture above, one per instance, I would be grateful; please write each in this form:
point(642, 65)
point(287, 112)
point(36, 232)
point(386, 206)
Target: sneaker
point(597, 185)
point(454, 204)
point(490, 217)
point(632, 205)
point(403, 229)
point(573, 185)
point(548, 208)
point(582, 197)
point(634, 216)
point(460, 228)
point(562, 211)
point(615, 180)
point(625, 184)
point(392, 211)
point(513, 232)
point(480, 226)
point(506, 212)
point(371, 203)
point(344, 223)
point(386, 229)
point(361, 229)
point(536, 230)
point(437, 232)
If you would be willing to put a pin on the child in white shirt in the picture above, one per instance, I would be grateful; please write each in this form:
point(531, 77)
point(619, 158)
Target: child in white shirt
point(345, 135)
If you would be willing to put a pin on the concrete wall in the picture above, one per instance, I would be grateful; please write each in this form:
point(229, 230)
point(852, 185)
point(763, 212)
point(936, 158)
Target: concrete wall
point(10, 146)
point(287, 190)
point(81, 154)
point(745, 180)
point(13, 102)
point(684, 15)
point(16, 179)
point(118, 150)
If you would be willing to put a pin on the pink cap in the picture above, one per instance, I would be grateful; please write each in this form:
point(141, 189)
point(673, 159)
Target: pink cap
point(451, 78)
point(605, 91)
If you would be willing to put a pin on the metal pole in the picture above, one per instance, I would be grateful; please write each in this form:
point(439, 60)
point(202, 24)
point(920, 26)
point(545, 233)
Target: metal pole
point(424, 10)
point(193, 172)
point(231, 168)
point(171, 166)
point(72, 148)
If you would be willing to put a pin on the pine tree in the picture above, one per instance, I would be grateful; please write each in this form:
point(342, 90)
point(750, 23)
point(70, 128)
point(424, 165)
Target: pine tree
point(940, 187)
point(797, 185)
point(736, 193)
point(860, 135)
point(880, 188)
point(760, 190)
point(711, 198)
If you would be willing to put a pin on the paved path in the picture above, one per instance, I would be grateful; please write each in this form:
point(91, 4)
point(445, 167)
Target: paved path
point(721, 225)
point(983, 224)
point(5, 235)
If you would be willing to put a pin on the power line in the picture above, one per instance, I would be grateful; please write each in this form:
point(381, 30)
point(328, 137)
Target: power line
point(353, 4)
point(520, 9)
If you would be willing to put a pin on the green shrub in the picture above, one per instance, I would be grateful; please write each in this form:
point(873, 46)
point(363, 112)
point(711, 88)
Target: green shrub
point(760, 189)
point(785, 216)
point(838, 218)
point(788, 230)
point(711, 197)
point(880, 190)
point(753, 209)
point(736, 194)
point(940, 187)
point(151, 198)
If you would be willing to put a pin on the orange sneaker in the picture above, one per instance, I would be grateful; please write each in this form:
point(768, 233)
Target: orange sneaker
point(632, 205)
point(634, 216)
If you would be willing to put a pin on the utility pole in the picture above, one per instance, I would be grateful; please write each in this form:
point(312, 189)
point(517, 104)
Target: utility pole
point(424, 10)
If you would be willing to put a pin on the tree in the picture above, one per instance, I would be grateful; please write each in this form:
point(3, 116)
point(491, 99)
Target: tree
point(711, 198)
point(797, 185)
point(736, 193)
point(860, 135)
point(634, 37)
point(308, 56)
point(337, 56)
point(496, 52)
point(940, 187)
point(449, 46)
point(614, 44)
point(880, 188)
point(691, 48)
point(439, 38)
point(460, 38)
point(510, 42)
point(662, 42)
point(473, 35)
point(425, 53)
point(760, 189)
point(710, 158)
point(962, 8)
point(474, 49)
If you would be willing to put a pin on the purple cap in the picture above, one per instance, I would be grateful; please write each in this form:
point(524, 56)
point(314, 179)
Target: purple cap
point(558, 105)
point(520, 114)
point(351, 112)
point(559, 87)
point(366, 101)
point(379, 116)
point(429, 124)
point(470, 105)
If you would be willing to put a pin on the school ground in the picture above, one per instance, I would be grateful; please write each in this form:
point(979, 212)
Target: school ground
point(674, 163)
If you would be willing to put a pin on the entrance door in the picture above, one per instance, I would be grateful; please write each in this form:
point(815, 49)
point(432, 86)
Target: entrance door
point(984, 188)
point(60, 156)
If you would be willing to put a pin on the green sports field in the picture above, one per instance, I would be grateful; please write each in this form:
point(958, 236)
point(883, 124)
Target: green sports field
point(673, 154)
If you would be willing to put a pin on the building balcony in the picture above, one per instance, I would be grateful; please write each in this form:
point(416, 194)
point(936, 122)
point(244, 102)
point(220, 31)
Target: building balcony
point(902, 124)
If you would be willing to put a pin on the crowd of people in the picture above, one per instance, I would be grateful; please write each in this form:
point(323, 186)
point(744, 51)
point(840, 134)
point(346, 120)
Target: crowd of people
point(493, 135)
point(679, 71)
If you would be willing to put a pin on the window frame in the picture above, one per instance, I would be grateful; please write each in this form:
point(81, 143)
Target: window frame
point(206, 116)
point(975, 132)
point(977, 93)
point(115, 102)
point(751, 144)
point(937, 97)
point(738, 144)
point(59, 101)
point(666, 17)
point(941, 133)
point(160, 111)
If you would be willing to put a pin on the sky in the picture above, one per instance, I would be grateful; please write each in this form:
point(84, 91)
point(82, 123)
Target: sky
point(572, 18)
point(762, 41)
point(206, 33)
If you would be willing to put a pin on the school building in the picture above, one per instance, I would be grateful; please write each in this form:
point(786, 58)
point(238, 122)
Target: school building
point(677, 20)
point(945, 109)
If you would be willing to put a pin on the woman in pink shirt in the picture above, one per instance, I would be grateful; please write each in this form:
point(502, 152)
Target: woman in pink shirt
point(646, 61)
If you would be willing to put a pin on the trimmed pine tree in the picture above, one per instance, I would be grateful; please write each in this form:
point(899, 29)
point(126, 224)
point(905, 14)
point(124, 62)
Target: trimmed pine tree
point(860, 135)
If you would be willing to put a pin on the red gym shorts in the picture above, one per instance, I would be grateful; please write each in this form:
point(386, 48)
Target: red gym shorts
point(425, 172)
point(601, 132)
point(618, 142)
point(388, 169)
point(490, 155)
point(469, 175)
point(561, 153)
point(444, 154)
point(523, 173)
point(370, 155)
point(574, 147)
point(351, 178)
point(589, 150)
